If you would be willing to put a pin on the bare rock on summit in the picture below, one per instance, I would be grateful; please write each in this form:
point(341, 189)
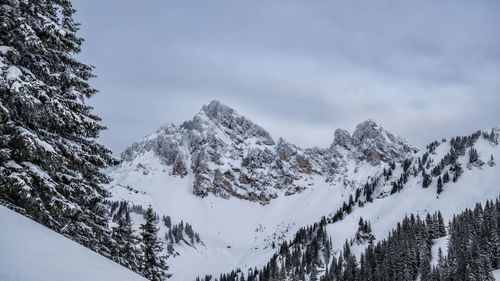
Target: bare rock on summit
point(342, 138)
point(230, 156)
point(237, 126)
point(369, 130)
point(371, 142)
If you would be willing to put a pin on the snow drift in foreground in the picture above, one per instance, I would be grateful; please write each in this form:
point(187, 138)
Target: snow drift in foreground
point(496, 273)
point(31, 251)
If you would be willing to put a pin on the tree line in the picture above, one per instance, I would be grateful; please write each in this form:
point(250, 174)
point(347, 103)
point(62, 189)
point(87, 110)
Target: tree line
point(473, 252)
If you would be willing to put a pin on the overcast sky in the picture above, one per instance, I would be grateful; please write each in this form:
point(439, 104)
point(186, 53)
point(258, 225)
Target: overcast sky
point(300, 69)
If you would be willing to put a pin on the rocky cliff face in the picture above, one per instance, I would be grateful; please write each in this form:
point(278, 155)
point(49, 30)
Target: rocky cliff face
point(230, 156)
point(372, 143)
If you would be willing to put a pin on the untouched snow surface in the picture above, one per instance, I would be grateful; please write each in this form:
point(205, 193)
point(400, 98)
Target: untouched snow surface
point(30, 251)
point(496, 274)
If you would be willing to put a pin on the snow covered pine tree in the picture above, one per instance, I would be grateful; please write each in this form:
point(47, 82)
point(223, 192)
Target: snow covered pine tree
point(126, 252)
point(49, 159)
point(153, 264)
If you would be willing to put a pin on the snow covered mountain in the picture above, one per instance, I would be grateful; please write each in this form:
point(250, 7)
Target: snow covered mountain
point(217, 195)
point(229, 156)
point(245, 193)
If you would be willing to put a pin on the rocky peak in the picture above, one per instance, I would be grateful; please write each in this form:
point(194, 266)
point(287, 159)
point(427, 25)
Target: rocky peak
point(371, 142)
point(230, 156)
point(370, 130)
point(237, 127)
point(342, 138)
point(218, 112)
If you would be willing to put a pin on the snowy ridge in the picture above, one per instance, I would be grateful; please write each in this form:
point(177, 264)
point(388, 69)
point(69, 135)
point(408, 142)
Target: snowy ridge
point(229, 156)
point(478, 183)
point(371, 142)
point(240, 233)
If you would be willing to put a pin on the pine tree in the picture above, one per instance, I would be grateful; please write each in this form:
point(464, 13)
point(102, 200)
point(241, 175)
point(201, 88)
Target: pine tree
point(314, 273)
point(425, 269)
point(458, 171)
point(441, 226)
point(170, 248)
point(431, 227)
point(439, 186)
point(49, 160)
point(492, 161)
point(126, 251)
point(446, 177)
point(426, 179)
point(153, 264)
point(473, 155)
point(167, 221)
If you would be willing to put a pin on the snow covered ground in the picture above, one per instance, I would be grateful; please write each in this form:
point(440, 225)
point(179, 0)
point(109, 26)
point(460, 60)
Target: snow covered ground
point(440, 243)
point(496, 274)
point(238, 233)
point(30, 251)
point(475, 185)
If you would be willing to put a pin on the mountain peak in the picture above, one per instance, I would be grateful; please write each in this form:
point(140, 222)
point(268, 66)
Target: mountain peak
point(342, 137)
point(217, 111)
point(369, 129)
point(229, 155)
point(373, 143)
point(230, 122)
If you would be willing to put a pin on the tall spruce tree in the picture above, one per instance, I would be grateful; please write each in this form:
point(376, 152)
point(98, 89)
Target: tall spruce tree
point(439, 186)
point(125, 250)
point(153, 264)
point(446, 177)
point(49, 160)
point(441, 226)
point(426, 179)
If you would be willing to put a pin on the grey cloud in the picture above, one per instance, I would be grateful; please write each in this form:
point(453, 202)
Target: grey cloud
point(423, 69)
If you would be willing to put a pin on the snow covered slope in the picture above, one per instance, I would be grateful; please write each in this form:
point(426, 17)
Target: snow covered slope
point(496, 273)
point(478, 183)
point(236, 232)
point(252, 192)
point(30, 251)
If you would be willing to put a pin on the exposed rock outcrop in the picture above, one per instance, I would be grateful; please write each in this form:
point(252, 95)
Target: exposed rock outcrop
point(228, 155)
